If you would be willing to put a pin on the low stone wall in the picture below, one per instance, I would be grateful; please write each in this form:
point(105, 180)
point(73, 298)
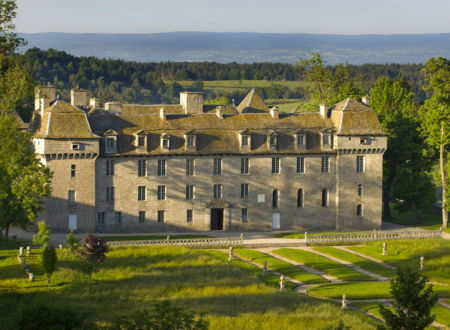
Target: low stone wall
point(190, 242)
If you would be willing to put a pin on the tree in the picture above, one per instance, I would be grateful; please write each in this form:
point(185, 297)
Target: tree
point(435, 117)
point(93, 252)
point(9, 41)
point(43, 235)
point(160, 317)
point(24, 179)
point(49, 260)
point(413, 300)
point(72, 242)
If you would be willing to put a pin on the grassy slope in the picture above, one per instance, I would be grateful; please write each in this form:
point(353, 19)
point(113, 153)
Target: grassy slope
point(357, 260)
point(323, 264)
point(232, 295)
point(280, 266)
point(408, 253)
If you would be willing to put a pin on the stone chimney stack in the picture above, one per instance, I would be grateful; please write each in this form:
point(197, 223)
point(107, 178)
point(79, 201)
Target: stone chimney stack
point(274, 112)
point(94, 103)
point(365, 100)
point(43, 95)
point(162, 114)
point(78, 97)
point(323, 110)
point(192, 102)
point(219, 112)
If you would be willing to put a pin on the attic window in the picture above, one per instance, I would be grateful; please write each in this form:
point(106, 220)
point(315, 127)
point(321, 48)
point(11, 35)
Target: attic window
point(300, 139)
point(75, 146)
point(165, 141)
point(190, 141)
point(109, 143)
point(272, 140)
point(245, 141)
point(326, 139)
point(141, 141)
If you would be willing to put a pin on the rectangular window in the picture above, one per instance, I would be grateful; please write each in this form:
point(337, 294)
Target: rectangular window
point(189, 215)
point(326, 139)
point(110, 167)
point(217, 191)
point(71, 196)
point(300, 164)
point(142, 167)
point(275, 165)
point(359, 164)
point(359, 210)
point(244, 215)
point(300, 198)
point(117, 218)
point(300, 140)
point(189, 166)
point(72, 170)
point(161, 215)
point(272, 141)
point(141, 141)
point(101, 218)
point(244, 190)
point(190, 141)
point(75, 146)
point(324, 197)
point(244, 166)
point(189, 191)
point(161, 167)
point(217, 166)
point(142, 216)
point(360, 189)
point(141, 193)
point(161, 193)
point(245, 141)
point(325, 164)
point(275, 197)
point(110, 143)
point(165, 143)
point(109, 193)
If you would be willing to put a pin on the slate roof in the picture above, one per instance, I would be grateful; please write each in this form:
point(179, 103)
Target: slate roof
point(252, 103)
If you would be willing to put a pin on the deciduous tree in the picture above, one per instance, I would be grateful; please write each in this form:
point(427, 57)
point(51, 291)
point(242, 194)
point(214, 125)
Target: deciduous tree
point(49, 260)
point(9, 41)
point(93, 252)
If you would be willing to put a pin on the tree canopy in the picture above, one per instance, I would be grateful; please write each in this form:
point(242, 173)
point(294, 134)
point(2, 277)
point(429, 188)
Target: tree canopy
point(9, 41)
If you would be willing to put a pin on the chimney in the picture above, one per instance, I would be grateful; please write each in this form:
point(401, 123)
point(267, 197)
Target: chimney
point(94, 103)
point(274, 112)
point(192, 102)
point(113, 106)
point(42, 98)
point(323, 110)
point(78, 97)
point(365, 100)
point(219, 112)
point(162, 114)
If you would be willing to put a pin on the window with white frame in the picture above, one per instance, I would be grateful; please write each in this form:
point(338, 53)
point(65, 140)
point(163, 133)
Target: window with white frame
point(142, 167)
point(100, 218)
point(161, 167)
point(190, 141)
point(141, 193)
point(110, 167)
point(244, 165)
point(189, 166)
point(275, 165)
point(217, 193)
point(217, 166)
point(244, 214)
point(359, 164)
point(300, 140)
point(300, 164)
point(189, 191)
point(325, 166)
point(161, 193)
point(161, 215)
point(71, 196)
point(244, 190)
point(109, 193)
point(142, 216)
point(189, 215)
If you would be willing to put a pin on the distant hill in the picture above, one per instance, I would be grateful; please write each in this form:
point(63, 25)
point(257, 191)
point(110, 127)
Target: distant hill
point(247, 47)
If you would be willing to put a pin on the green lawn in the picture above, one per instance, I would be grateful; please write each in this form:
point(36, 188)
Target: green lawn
point(149, 237)
point(302, 235)
point(280, 266)
point(427, 219)
point(232, 295)
point(408, 253)
point(357, 260)
point(368, 290)
point(323, 264)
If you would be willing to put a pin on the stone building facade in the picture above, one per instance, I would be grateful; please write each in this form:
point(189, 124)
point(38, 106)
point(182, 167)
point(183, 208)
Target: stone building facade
point(195, 167)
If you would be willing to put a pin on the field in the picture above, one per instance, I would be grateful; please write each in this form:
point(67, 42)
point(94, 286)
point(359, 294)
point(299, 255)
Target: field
point(229, 295)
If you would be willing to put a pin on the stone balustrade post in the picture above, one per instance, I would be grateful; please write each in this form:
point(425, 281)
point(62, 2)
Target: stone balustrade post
point(344, 301)
point(265, 268)
point(230, 254)
point(422, 263)
point(384, 248)
point(28, 250)
point(21, 251)
point(282, 281)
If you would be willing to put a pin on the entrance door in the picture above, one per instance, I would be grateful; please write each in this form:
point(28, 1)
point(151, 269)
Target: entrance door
point(216, 219)
point(275, 220)
point(72, 222)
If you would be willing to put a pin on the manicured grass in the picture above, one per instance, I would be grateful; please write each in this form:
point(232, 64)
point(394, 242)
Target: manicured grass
point(280, 266)
point(149, 237)
point(231, 294)
point(323, 264)
point(302, 235)
point(368, 290)
point(427, 220)
point(357, 260)
point(370, 307)
point(408, 252)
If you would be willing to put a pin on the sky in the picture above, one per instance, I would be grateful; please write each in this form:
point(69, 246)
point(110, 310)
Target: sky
point(267, 16)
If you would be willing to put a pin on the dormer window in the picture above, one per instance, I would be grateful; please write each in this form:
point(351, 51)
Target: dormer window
point(326, 139)
point(272, 140)
point(300, 139)
point(245, 140)
point(190, 139)
point(110, 141)
point(141, 140)
point(75, 146)
point(165, 142)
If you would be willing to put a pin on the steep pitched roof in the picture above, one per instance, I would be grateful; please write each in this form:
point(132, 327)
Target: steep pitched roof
point(252, 103)
point(352, 117)
point(62, 120)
